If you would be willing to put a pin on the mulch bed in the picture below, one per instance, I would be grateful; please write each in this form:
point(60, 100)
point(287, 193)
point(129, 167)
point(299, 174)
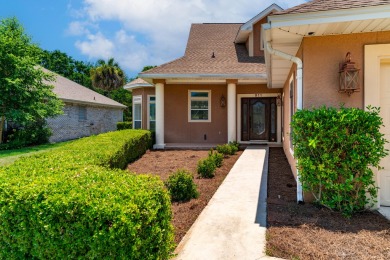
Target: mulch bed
point(312, 232)
point(163, 163)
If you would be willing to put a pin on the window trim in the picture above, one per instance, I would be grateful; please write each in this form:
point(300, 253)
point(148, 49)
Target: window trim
point(83, 110)
point(137, 100)
point(148, 110)
point(199, 99)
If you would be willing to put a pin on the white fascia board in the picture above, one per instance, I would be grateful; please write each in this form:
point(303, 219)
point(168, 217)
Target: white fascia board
point(198, 76)
point(334, 16)
point(138, 85)
point(247, 27)
point(65, 100)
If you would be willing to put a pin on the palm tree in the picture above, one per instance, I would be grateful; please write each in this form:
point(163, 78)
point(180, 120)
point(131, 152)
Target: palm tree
point(107, 76)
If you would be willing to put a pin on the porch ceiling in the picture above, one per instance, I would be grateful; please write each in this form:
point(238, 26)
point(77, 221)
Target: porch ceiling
point(285, 32)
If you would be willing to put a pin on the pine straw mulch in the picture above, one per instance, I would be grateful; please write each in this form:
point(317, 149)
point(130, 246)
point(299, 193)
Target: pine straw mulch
point(310, 232)
point(163, 163)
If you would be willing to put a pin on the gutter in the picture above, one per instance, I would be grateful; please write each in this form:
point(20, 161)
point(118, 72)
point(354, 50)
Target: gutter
point(299, 63)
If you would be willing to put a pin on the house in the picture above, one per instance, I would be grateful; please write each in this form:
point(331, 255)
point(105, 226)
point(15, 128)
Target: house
point(86, 112)
point(243, 82)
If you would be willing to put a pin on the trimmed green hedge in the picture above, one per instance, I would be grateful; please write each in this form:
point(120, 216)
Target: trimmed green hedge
point(68, 203)
point(124, 125)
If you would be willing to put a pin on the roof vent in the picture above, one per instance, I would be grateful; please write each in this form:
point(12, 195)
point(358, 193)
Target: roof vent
point(213, 55)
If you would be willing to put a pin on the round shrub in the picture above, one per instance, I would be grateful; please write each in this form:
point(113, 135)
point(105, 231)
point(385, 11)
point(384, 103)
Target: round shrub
point(336, 150)
point(217, 157)
point(224, 149)
point(206, 168)
point(181, 186)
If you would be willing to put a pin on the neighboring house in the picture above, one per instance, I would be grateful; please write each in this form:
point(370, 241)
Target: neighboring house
point(86, 112)
point(243, 82)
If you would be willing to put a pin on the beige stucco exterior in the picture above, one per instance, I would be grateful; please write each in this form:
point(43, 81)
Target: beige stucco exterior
point(144, 92)
point(178, 128)
point(321, 57)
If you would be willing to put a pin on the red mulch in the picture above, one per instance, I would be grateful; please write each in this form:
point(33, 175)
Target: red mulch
point(311, 232)
point(163, 163)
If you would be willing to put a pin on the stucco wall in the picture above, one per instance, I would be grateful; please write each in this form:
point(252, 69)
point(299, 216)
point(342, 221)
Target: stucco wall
point(256, 89)
point(256, 37)
point(68, 126)
point(177, 127)
point(321, 58)
point(144, 92)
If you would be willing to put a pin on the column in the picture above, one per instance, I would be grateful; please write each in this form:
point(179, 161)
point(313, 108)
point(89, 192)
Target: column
point(159, 115)
point(231, 110)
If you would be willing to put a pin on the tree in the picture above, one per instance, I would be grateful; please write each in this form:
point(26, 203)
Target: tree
point(148, 67)
point(25, 95)
point(107, 76)
point(65, 65)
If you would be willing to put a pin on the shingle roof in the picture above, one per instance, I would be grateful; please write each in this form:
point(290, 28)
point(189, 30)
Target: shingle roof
point(68, 90)
point(329, 5)
point(137, 83)
point(206, 39)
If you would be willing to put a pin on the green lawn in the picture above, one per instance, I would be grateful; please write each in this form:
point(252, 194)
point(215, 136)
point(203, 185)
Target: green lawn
point(9, 156)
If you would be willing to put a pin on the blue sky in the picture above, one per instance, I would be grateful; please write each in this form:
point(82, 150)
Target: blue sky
point(135, 32)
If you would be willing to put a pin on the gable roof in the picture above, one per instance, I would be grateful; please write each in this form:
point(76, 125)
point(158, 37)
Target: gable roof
point(70, 91)
point(137, 83)
point(230, 59)
point(329, 5)
point(247, 27)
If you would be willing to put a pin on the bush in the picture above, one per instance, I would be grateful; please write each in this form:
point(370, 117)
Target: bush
point(26, 134)
point(227, 149)
point(206, 168)
point(335, 150)
point(68, 203)
point(124, 125)
point(181, 186)
point(216, 157)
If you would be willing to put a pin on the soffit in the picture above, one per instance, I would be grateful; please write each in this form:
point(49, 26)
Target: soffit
point(286, 32)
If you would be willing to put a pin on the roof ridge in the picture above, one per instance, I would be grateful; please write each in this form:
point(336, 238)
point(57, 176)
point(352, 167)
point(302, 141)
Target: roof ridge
point(162, 65)
point(331, 5)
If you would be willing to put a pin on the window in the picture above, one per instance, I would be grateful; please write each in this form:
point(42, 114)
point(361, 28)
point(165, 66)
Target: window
point(291, 108)
point(82, 113)
point(137, 112)
point(199, 106)
point(152, 113)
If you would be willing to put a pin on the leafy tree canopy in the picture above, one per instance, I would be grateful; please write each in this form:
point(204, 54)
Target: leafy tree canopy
point(25, 95)
point(65, 65)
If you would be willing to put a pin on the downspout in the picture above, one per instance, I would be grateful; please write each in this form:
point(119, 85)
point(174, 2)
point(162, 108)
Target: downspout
point(299, 64)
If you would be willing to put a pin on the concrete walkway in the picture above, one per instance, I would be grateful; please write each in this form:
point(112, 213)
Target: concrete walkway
point(233, 224)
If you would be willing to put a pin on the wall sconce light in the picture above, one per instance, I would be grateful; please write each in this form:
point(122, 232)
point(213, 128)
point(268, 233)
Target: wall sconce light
point(279, 100)
point(348, 76)
point(222, 101)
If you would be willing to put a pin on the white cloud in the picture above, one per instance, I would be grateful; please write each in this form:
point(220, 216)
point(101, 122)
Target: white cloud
point(96, 46)
point(77, 28)
point(156, 31)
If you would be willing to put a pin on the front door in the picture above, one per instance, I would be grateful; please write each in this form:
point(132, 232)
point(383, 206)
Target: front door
point(385, 114)
point(258, 119)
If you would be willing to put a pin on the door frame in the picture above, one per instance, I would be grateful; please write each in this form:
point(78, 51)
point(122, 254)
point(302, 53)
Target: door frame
point(278, 118)
point(373, 57)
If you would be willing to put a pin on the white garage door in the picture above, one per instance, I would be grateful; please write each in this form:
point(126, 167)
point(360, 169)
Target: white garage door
point(385, 113)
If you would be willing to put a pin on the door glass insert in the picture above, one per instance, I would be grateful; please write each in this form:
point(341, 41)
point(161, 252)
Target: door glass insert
point(258, 118)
